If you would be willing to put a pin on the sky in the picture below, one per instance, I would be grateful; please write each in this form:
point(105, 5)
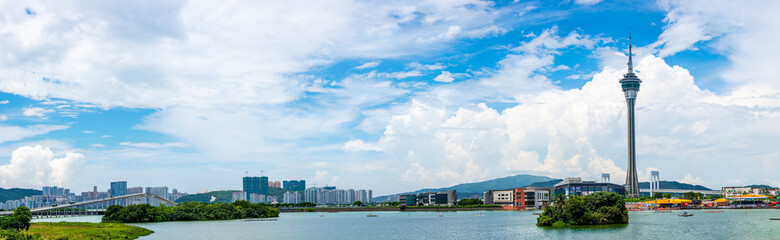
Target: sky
point(385, 95)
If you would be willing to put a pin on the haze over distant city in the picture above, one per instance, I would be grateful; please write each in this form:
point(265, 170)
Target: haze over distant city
point(392, 96)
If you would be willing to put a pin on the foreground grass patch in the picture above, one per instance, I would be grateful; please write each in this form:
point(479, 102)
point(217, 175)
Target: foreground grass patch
point(80, 230)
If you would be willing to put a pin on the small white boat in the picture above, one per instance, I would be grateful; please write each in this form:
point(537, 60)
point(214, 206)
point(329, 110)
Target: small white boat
point(441, 215)
point(685, 214)
point(372, 215)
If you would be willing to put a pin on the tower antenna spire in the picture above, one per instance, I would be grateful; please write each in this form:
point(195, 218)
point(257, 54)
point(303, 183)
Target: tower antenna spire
point(630, 53)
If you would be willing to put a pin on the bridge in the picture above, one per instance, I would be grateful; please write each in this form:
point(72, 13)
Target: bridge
point(95, 207)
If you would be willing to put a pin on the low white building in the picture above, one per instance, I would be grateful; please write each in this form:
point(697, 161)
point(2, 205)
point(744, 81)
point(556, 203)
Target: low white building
point(500, 197)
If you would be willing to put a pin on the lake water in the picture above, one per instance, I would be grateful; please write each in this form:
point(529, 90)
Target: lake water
point(732, 224)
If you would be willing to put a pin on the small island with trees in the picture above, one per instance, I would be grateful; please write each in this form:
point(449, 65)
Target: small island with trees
point(593, 209)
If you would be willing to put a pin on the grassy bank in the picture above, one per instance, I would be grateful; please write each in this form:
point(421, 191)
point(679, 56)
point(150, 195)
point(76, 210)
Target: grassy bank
point(80, 230)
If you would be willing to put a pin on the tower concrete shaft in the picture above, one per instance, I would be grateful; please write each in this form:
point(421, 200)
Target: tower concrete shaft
point(630, 84)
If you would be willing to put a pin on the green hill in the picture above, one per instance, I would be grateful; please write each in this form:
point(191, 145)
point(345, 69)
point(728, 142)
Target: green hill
point(674, 185)
point(550, 183)
point(225, 196)
point(761, 186)
point(17, 193)
point(516, 181)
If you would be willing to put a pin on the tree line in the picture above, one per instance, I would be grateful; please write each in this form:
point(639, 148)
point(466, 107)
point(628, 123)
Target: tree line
point(188, 211)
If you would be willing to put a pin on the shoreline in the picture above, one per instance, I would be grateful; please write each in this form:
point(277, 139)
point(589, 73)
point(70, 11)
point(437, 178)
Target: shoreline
point(390, 209)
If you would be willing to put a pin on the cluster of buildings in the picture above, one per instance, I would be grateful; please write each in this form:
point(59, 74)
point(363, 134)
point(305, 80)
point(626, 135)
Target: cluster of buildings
point(330, 195)
point(445, 198)
point(538, 197)
point(254, 197)
point(53, 195)
point(519, 198)
point(256, 190)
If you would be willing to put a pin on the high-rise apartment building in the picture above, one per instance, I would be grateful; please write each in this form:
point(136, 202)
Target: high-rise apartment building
point(159, 191)
point(257, 185)
point(294, 185)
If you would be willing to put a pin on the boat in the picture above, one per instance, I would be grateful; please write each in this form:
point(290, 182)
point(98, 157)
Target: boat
point(774, 219)
point(322, 215)
point(536, 214)
point(714, 211)
point(479, 214)
point(441, 215)
point(685, 214)
point(261, 220)
point(372, 215)
point(663, 211)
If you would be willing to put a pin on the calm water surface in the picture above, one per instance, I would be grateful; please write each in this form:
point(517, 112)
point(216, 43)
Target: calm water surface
point(732, 224)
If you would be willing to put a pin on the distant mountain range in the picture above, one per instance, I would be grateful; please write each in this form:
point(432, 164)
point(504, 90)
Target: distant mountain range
point(761, 186)
point(510, 182)
point(17, 193)
point(524, 180)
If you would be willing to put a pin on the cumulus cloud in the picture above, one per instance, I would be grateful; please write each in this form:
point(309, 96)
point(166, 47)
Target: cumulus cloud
point(691, 180)
point(36, 112)
point(35, 166)
point(3, 118)
point(4, 102)
point(445, 76)
point(577, 132)
point(322, 177)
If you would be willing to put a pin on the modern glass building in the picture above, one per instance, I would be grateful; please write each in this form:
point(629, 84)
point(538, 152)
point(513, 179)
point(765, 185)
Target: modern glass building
point(118, 188)
point(575, 186)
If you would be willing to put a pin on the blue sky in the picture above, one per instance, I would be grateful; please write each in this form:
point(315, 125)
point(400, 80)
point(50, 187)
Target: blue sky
point(388, 96)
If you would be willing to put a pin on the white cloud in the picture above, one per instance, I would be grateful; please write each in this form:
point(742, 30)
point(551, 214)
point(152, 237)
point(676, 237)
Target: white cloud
point(4, 102)
point(323, 178)
point(426, 67)
point(36, 112)
point(98, 145)
point(587, 2)
point(34, 167)
point(3, 118)
point(154, 145)
point(14, 133)
point(368, 65)
point(691, 180)
point(175, 54)
point(88, 132)
point(359, 145)
point(402, 75)
point(439, 141)
point(445, 76)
